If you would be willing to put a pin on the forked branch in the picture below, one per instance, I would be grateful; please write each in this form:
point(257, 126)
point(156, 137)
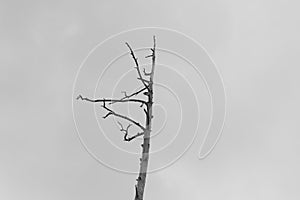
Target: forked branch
point(126, 138)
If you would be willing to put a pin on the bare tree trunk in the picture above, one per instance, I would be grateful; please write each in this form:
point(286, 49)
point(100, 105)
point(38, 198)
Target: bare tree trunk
point(141, 180)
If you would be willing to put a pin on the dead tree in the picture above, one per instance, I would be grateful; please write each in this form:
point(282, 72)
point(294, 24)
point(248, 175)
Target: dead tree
point(147, 81)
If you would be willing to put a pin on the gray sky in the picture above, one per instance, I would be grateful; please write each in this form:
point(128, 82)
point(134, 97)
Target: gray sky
point(255, 45)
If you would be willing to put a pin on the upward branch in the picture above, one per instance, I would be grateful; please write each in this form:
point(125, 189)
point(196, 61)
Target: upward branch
point(126, 96)
point(137, 67)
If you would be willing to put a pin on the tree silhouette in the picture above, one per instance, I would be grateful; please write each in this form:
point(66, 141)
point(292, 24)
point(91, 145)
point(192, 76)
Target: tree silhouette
point(147, 80)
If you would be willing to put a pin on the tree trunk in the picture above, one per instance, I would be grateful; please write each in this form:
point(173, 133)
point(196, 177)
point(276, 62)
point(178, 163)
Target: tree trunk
point(141, 180)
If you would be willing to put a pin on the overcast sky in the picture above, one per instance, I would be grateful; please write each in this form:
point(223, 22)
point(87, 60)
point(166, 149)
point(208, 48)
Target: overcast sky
point(255, 45)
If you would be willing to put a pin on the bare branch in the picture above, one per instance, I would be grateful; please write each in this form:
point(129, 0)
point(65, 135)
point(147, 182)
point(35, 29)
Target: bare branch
point(126, 96)
point(104, 117)
point(124, 130)
point(135, 136)
point(137, 65)
point(145, 73)
point(133, 94)
point(126, 138)
point(111, 112)
point(112, 100)
point(144, 80)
